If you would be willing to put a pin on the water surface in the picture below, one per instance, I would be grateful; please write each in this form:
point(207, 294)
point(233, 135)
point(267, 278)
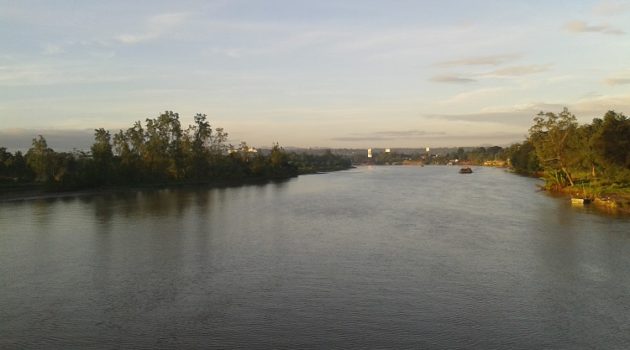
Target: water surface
point(375, 257)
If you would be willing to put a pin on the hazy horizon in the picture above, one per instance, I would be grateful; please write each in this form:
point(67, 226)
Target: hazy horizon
point(354, 74)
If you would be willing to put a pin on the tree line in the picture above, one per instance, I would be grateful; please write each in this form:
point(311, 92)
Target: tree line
point(568, 154)
point(158, 151)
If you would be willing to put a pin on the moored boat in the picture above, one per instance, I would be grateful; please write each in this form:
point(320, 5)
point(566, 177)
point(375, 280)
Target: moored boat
point(580, 201)
point(465, 170)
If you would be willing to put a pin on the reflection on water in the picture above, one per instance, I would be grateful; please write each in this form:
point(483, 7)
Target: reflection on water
point(393, 257)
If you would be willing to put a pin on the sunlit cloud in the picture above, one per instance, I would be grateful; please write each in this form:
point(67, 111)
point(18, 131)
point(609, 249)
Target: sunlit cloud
point(597, 106)
point(513, 117)
point(583, 27)
point(617, 81)
point(452, 79)
point(493, 60)
point(435, 138)
point(389, 135)
point(474, 95)
point(519, 70)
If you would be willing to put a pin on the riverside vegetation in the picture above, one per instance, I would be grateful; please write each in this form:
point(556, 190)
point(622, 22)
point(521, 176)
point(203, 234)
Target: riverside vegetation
point(156, 153)
point(589, 161)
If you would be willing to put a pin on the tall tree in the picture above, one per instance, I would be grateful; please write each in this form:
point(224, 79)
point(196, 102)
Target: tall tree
point(199, 137)
point(552, 136)
point(40, 159)
point(103, 156)
point(612, 139)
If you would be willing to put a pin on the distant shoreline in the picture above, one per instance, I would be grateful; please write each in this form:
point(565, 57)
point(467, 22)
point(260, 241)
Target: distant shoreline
point(36, 192)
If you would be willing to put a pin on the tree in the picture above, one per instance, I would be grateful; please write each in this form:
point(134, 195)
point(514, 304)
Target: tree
point(611, 143)
point(198, 136)
point(40, 159)
point(6, 159)
point(612, 139)
point(279, 164)
point(523, 158)
point(102, 155)
point(20, 169)
point(585, 147)
point(552, 136)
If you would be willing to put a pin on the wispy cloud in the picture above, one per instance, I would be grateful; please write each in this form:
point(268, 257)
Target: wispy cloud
point(511, 71)
point(437, 138)
point(51, 49)
point(610, 8)
point(519, 70)
point(58, 139)
point(155, 27)
point(583, 27)
point(493, 60)
point(388, 135)
point(512, 117)
point(30, 74)
point(617, 81)
point(452, 79)
point(475, 95)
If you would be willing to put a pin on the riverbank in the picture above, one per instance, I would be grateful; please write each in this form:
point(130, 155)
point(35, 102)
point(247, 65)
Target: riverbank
point(39, 191)
point(615, 200)
point(36, 191)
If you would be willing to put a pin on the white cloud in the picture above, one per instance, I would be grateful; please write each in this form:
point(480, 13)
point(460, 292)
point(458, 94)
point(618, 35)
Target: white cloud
point(155, 27)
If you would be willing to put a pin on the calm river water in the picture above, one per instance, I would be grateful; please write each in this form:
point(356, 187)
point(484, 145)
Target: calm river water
point(374, 257)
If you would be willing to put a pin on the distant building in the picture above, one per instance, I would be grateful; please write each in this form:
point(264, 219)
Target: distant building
point(387, 150)
point(369, 153)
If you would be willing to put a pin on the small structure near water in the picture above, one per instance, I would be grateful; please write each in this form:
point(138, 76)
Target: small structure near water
point(580, 201)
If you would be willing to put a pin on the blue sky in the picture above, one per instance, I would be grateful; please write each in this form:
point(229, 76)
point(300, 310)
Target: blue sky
point(311, 73)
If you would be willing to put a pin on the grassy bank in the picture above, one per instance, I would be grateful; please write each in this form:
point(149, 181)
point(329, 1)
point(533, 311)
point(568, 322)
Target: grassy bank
point(613, 198)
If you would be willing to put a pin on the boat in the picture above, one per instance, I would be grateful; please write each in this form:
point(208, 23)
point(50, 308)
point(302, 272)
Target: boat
point(465, 170)
point(580, 201)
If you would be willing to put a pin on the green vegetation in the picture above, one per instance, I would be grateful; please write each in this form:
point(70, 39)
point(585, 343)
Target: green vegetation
point(569, 154)
point(314, 163)
point(158, 152)
point(590, 160)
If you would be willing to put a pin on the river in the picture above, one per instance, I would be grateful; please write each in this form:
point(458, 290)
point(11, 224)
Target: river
point(373, 257)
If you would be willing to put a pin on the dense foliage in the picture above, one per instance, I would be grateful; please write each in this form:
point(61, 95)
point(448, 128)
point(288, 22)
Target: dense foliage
point(569, 154)
point(156, 152)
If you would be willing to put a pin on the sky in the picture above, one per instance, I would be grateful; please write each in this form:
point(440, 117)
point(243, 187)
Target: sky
point(340, 74)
